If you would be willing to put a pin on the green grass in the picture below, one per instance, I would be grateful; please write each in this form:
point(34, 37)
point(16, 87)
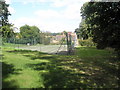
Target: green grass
point(19, 72)
point(88, 68)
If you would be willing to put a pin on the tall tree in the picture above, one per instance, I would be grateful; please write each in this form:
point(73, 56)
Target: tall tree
point(6, 32)
point(104, 21)
point(30, 34)
point(4, 13)
point(83, 32)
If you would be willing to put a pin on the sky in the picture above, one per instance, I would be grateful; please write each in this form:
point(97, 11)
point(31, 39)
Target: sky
point(48, 15)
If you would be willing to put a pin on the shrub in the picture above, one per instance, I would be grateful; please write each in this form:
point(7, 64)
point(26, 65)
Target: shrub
point(88, 42)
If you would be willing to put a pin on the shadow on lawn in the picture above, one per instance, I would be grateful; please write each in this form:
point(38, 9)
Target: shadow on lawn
point(68, 72)
point(57, 77)
point(72, 72)
point(7, 70)
point(24, 51)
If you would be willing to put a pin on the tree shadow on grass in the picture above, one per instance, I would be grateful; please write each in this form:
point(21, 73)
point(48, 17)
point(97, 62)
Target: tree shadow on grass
point(107, 75)
point(57, 76)
point(7, 70)
point(24, 51)
point(39, 66)
point(67, 72)
point(41, 56)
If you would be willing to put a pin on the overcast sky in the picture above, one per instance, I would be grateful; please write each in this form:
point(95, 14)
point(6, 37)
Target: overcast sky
point(48, 15)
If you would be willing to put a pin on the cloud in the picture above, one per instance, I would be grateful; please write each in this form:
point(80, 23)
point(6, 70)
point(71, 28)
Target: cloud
point(57, 3)
point(46, 14)
point(27, 1)
point(52, 19)
point(11, 10)
point(8, 1)
point(71, 9)
point(70, 12)
point(61, 3)
point(44, 25)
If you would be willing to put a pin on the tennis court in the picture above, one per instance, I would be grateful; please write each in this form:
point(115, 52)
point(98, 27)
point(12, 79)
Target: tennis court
point(51, 49)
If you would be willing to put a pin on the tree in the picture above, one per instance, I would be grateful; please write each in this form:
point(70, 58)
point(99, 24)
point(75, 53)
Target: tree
point(30, 34)
point(7, 33)
point(104, 21)
point(4, 13)
point(83, 32)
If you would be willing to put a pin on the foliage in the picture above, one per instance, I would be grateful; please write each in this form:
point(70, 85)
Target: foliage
point(88, 42)
point(4, 13)
point(33, 35)
point(29, 34)
point(83, 31)
point(7, 33)
point(104, 21)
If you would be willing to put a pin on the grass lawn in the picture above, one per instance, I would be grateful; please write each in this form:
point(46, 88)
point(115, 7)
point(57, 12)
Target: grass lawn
point(88, 68)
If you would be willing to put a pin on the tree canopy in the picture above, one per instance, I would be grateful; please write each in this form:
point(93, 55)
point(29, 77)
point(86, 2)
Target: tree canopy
point(104, 22)
point(4, 13)
point(30, 34)
point(6, 32)
point(83, 30)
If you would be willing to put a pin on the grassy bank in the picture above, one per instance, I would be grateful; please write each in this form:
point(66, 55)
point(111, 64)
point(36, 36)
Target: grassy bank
point(88, 68)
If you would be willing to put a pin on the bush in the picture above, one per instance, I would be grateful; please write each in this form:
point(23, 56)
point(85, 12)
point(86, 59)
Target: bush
point(88, 42)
